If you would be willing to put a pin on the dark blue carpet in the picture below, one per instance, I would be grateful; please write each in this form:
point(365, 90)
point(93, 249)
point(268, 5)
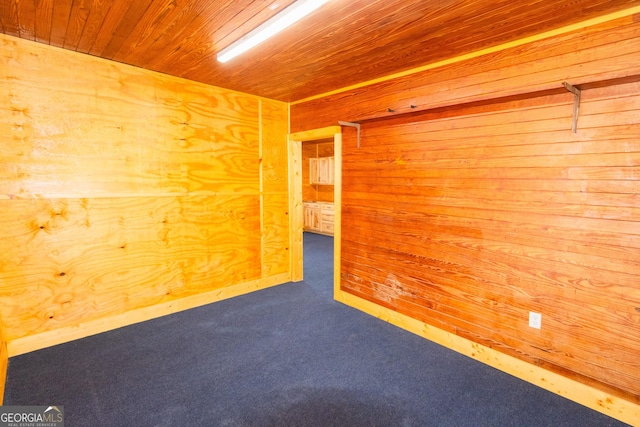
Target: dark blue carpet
point(284, 356)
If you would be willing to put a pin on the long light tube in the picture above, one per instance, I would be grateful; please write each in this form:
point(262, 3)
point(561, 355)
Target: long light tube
point(275, 24)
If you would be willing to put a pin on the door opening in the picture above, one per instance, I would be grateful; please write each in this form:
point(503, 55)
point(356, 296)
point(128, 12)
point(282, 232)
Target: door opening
point(322, 185)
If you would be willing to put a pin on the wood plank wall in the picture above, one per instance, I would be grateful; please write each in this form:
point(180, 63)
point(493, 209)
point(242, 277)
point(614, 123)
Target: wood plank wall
point(605, 51)
point(127, 194)
point(484, 205)
point(315, 193)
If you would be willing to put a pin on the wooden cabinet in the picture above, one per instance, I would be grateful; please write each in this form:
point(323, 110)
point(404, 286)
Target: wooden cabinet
point(312, 215)
point(319, 217)
point(327, 219)
point(321, 170)
point(313, 170)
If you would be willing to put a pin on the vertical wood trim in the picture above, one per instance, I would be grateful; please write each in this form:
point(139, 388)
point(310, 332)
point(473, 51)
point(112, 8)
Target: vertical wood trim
point(296, 220)
point(337, 203)
point(261, 186)
point(583, 394)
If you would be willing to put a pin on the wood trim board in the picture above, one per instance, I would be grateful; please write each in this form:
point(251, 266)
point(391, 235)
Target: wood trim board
point(578, 392)
point(58, 336)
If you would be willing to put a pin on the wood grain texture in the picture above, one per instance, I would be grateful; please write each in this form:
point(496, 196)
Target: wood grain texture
point(352, 42)
point(70, 261)
point(78, 17)
point(92, 26)
point(337, 207)
point(26, 19)
point(296, 217)
point(468, 217)
point(314, 149)
point(603, 52)
point(309, 151)
point(10, 23)
point(123, 189)
point(274, 178)
point(60, 21)
point(42, 19)
point(561, 384)
point(73, 332)
point(203, 140)
point(274, 161)
point(276, 252)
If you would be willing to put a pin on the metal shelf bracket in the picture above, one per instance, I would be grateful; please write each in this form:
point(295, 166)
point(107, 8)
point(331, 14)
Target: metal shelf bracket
point(576, 104)
point(351, 124)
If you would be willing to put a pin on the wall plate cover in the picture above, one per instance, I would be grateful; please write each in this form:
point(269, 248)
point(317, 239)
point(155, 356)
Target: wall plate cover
point(535, 320)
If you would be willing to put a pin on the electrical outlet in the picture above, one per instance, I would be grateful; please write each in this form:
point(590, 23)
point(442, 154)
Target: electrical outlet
point(535, 320)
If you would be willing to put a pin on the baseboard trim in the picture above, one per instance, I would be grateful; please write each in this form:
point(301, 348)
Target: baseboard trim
point(613, 406)
point(42, 340)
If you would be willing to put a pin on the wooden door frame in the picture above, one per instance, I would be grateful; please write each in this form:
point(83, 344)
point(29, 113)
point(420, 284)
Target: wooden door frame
point(296, 217)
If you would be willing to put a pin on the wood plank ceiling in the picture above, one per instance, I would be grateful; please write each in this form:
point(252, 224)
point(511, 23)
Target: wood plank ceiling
point(345, 42)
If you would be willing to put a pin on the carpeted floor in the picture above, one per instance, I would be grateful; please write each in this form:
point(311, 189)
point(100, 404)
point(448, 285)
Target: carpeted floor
point(284, 356)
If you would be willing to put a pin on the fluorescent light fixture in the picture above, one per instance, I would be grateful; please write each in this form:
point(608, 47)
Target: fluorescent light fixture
point(293, 13)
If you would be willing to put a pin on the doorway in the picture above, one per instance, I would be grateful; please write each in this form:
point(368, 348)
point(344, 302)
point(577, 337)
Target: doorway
point(296, 199)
